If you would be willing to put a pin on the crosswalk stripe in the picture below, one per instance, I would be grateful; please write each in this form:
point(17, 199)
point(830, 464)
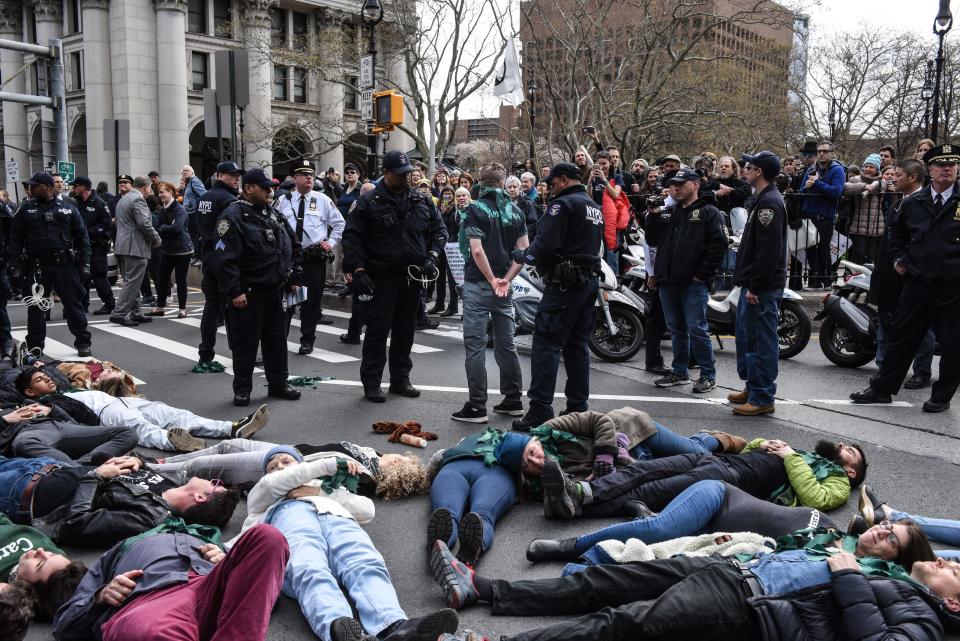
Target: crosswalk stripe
point(164, 344)
point(326, 329)
point(319, 354)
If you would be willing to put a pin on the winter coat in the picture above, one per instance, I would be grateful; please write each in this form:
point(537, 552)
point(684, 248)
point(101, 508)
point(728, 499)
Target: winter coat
point(826, 191)
point(690, 241)
point(869, 207)
point(598, 434)
point(814, 481)
point(173, 230)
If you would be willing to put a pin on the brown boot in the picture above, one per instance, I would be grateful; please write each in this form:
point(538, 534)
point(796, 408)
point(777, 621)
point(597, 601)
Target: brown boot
point(738, 398)
point(749, 409)
point(731, 444)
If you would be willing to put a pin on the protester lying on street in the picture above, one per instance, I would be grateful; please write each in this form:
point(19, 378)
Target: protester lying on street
point(713, 506)
point(35, 430)
point(98, 506)
point(240, 462)
point(772, 597)
point(769, 470)
point(874, 510)
point(86, 374)
point(37, 578)
point(315, 506)
point(178, 583)
point(158, 425)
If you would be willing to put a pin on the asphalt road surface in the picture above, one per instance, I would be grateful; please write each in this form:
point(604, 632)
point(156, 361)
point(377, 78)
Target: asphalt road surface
point(913, 456)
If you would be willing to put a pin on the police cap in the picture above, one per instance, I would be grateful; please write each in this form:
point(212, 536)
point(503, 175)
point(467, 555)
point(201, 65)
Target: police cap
point(302, 168)
point(397, 162)
point(83, 181)
point(39, 178)
point(229, 167)
point(257, 176)
point(945, 154)
point(125, 178)
point(564, 170)
point(683, 176)
point(767, 161)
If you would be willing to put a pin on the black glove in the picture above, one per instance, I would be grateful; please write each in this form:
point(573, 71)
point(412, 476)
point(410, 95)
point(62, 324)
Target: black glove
point(518, 256)
point(85, 275)
point(429, 268)
point(362, 284)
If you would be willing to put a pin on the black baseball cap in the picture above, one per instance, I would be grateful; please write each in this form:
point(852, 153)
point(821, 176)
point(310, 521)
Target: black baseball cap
point(767, 161)
point(397, 162)
point(303, 167)
point(684, 175)
point(946, 154)
point(229, 167)
point(39, 178)
point(154, 173)
point(350, 166)
point(257, 176)
point(125, 178)
point(564, 170)
point(83, 181)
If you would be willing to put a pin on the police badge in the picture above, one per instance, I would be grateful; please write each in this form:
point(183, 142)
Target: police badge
point(765, 216)
point(223, 227)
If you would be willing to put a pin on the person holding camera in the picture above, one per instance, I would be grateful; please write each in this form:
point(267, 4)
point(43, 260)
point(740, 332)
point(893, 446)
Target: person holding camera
point(690, 242)
point(387, 274)
point(605, 189)
point(318, 225)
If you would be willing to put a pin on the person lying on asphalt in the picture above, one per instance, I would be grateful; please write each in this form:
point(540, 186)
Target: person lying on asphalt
point(874, 510)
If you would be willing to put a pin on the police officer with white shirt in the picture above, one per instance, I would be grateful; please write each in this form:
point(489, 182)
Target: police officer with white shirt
point(319, 226)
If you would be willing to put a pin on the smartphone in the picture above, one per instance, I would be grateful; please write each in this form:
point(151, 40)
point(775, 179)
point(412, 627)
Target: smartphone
point(589, 130)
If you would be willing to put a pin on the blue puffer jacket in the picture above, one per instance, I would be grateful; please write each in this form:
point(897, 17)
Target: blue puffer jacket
point(855, 608)
point(827, 191)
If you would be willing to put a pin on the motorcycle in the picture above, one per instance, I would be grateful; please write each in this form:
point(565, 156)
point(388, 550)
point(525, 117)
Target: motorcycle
point(848, 336)
point(618, 321)
point(793, 325)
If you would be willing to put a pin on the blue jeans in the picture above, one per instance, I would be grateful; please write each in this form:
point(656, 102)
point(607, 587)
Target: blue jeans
point(941, 530)
point(667, 443)
point(15, 474)
point(922, 362)
point(758, 348)
point(481, 304)
point(686, 515)
point(612, 258)
point(488, 491)
point(685, 310)
point(327, 551)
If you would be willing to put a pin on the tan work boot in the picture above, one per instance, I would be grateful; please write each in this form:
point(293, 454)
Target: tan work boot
point(738, 398)
point(749, 409)
point(731, 444)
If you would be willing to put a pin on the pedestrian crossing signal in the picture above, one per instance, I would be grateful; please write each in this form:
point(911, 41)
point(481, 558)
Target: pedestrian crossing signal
point(387, 110)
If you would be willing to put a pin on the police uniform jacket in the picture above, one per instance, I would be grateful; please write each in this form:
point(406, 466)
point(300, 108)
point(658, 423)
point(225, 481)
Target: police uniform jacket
point(97, 219)
point(321, 218)
point(209, 207)
point(762, 257)
point(255, 249)
point(389, 231)
point(42, 228)
point(572, 227)
point(690, 241)
point(925, 241)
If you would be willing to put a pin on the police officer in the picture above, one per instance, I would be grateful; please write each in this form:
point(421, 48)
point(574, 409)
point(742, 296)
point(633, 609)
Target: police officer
point(925, 245)
point(7, 344)
point(257, 263)
point(99, 225)
point(52, 236)
point(566, 253)
point(211, 204)
point(761, 272)
point(390, 246)
point(318, 225)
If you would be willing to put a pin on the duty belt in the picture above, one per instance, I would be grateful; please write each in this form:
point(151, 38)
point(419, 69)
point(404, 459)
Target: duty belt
point(25, 515)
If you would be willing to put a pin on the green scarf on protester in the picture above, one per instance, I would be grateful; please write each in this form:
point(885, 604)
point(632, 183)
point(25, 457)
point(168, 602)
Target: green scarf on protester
point(549, 439)
point(505, 212)
point(176, 525)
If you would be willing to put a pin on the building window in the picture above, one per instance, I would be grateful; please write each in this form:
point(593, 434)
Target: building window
point(300, 85)
point(350, 99)
point(278, 27)
point(280, 83)
point(76, 71)
point(199, 71)
point(223, 18)
point(197, 16)
point(71, 10)
point(299, 30)
point(40, 79)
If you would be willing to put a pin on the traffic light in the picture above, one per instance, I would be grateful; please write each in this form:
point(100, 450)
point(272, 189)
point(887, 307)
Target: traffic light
point(387, 110)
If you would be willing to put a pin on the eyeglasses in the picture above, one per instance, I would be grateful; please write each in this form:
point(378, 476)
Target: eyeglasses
point(892, 538)
point(350, 171)
point(824, 151)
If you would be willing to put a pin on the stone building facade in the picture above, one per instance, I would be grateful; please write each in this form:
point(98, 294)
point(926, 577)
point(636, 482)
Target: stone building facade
point(148, 61)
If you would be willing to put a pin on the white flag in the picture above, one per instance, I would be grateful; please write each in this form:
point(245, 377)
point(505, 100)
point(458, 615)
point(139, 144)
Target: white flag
point(507, 82)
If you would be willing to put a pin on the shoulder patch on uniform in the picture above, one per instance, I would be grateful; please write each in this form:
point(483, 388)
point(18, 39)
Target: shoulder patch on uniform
point(554, 210)
point(220, 246)
point(765, 216)
point(223, 227)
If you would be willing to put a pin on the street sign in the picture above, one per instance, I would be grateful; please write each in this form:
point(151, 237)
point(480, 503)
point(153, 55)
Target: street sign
point(116, 135)
point(366, 72)
point(67, 171)
point(366, 104)
point(13, 172)
point(233, 77)
point(211, 128)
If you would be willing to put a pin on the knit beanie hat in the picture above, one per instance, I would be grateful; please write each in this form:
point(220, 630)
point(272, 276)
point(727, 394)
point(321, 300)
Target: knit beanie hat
point(281, 449)
point(509, 452)
point(873, 159)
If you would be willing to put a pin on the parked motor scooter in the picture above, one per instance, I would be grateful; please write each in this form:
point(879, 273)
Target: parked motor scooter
point(848, 335)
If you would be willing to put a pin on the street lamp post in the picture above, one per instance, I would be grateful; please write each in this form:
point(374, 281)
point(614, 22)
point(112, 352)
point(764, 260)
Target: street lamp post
point(926, 93)
point(832, 120)
point(372, 14)
point(531, 113)
point(941, 25)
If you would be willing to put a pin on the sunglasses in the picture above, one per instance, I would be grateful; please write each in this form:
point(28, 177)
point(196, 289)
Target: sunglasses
point(824, 151)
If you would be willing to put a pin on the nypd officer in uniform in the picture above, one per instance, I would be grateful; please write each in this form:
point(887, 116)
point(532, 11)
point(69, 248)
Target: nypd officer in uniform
point(566, 253)
point(210, 205)
point(52, 235)
point(257, 261)
point(99, 225)
point(925, 245)
point(393, 238)
point(761, 272)
point(318, 226)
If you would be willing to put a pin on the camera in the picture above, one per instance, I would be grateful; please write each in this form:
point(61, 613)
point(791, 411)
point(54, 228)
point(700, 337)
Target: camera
point(655, 202)
point(589, 130)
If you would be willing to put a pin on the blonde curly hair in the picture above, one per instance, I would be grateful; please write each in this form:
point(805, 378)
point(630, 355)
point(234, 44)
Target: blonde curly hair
point(404, 479)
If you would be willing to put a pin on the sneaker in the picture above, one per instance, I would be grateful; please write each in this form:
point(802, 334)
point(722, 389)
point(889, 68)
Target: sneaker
point(183, 441)
point(349, 629)
point(454, 576)
point(470, 414)
point(672, 379)
point(561, 497)
point(704, 385)
point(470, 538)
point(439, 527)
point(247, 426)
point(84, 351)
point(510, 408)
point(425, 628)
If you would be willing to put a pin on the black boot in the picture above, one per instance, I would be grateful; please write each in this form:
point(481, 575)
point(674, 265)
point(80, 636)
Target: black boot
point(541, 550)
